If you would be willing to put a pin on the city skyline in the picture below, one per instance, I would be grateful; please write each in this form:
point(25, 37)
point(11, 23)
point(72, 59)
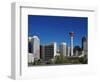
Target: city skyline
point(56, 28)
point(48, 54)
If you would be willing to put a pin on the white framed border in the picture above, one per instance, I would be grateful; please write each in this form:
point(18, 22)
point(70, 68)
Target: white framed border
point(19, 47)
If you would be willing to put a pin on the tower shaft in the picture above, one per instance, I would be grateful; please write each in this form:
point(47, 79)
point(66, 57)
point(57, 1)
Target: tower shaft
point(71, 45)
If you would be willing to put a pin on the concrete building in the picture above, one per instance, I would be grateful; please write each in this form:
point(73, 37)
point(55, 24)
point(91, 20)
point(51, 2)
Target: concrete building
point(29, 45)
point(84, 45)
point(58, 52)
point(48, 51)
point(66, 50)
point(35, 47)
point(68, 53)
point(76, 53)
point(63, 49)
point(30, 58)
point(42, 52)
point(71, 42)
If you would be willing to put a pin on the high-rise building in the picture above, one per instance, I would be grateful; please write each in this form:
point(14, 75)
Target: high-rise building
point(29, 45)
point(42, 52)
point(77, 50)
point(63, 49)
point(30, 58)
point(71, 42)
point(30, 53)
point(49, 51)
point(58, 52)
point(35, 47)
point(84, 45)
point(68, 52)
point(77, 53)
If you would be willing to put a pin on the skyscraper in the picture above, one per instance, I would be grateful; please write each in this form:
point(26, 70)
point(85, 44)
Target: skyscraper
point(49, 51)
point(63, 49)
point(36, 47)
point(71, 42)
point(84, 45)
point(68, 52)
point(29, 45)
point(42, 52)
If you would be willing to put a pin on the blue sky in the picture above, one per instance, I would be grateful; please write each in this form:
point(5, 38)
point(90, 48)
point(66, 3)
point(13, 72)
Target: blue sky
point(56, 28)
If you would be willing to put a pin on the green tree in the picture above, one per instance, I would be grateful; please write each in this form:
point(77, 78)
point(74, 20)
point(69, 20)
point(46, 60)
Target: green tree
point(61, 59)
